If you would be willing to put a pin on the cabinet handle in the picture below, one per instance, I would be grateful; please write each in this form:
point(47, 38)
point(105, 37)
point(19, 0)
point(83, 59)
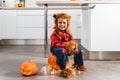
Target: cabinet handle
point(92, 7)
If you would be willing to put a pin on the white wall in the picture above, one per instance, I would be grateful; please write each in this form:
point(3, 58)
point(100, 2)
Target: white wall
point(9, 3)
point(30, 3)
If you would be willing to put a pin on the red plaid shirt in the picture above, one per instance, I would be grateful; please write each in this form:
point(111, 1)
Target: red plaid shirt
point(58, 40)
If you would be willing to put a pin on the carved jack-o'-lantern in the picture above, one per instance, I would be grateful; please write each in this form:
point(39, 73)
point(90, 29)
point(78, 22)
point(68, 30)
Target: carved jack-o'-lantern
point(53, 64)
point(29, 68)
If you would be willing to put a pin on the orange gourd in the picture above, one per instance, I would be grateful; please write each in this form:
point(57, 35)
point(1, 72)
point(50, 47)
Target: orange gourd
point(53, 64)
point(29, 68)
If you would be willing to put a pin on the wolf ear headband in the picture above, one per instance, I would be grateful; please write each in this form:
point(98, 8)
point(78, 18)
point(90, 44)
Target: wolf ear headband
point(57, 15)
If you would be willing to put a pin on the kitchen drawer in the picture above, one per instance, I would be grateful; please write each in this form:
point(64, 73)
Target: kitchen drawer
point(30, 21)
point(9, 29)
point(30, 33)
point(34, 21)
point(30, 12)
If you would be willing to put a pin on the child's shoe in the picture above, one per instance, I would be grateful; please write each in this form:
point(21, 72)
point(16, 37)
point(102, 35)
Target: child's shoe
point(74, 66)
point(81, 68)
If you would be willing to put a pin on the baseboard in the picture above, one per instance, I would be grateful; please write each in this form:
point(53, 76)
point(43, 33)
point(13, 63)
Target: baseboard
point(26, 41)
point(104, 55)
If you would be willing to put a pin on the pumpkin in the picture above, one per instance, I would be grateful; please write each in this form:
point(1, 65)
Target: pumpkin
point(53, 64)
point(29, 68)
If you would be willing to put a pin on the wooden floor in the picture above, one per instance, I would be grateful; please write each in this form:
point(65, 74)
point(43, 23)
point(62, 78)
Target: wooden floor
point(11, 58)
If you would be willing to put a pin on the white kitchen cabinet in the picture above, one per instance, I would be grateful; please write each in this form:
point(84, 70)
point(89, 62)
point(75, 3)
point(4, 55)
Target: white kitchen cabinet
point(103, 31)
point(30, 33)
point(9, 29)
point(105, 27)
point(28, 21)
point(30, 24)
point(0, 24)
point(85, 29)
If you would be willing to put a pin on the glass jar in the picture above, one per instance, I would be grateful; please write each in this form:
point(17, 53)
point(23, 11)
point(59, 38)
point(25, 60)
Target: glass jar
point(17, 3)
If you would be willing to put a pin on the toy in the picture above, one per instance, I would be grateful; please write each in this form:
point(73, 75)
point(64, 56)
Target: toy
point(72, 47)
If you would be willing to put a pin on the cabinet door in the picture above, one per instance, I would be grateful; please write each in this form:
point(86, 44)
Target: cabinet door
point(85, 29)
point(31, 33)
point(105, 27)
point(30, 24)
point(0, 24)
point(9, 29)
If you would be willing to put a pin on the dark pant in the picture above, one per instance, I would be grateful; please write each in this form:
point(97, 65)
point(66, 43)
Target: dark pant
point(78, 59)
point(61, 58)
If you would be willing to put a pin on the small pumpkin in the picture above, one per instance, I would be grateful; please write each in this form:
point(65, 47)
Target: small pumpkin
point(29, 68)
point(52, 62)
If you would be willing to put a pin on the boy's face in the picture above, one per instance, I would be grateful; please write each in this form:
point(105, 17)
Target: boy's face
point(62, 24)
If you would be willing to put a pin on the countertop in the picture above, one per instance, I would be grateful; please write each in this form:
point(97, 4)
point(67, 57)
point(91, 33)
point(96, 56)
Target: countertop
point(42, 8)
point(54, 2)
point(57, 4)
